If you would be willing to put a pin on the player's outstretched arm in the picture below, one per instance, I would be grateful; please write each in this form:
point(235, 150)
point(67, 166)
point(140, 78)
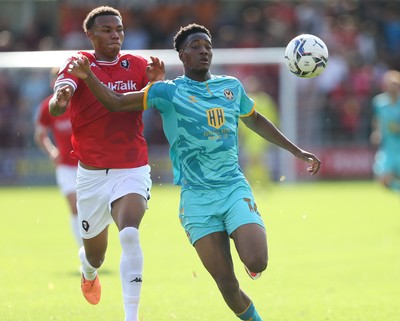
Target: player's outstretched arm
point(110, 99)
point(266, 129)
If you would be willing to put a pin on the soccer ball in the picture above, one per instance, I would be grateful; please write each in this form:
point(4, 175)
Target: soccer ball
point(306, 56)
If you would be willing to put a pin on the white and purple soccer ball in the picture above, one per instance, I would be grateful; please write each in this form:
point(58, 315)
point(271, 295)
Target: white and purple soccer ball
point(306, 56)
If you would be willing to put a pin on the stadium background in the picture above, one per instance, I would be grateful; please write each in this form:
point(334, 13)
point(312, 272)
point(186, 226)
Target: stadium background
point(333, 111)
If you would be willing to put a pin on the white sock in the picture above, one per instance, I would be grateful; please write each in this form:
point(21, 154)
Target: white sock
point(75, 229)
point(89, 272)
point(131, 268)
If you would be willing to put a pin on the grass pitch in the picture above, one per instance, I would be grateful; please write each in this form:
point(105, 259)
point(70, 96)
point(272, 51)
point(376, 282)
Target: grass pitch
point(334, 256)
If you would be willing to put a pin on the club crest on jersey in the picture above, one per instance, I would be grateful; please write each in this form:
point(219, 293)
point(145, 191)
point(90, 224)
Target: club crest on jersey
point(215, 117)
point(228, 94)
point(125, 64)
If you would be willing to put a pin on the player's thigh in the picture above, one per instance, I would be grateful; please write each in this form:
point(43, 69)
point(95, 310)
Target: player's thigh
point(246, 227)
point(251, 244)
point(128, 210)
point(71, 199)
point(93, 202)
point(214, 252)
point(129, 196)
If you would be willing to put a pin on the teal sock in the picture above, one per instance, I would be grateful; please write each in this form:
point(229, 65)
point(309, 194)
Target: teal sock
point(250, 314)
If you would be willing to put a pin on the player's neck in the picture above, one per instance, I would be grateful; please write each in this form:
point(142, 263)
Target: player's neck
point(103, 57)
point(200, 76)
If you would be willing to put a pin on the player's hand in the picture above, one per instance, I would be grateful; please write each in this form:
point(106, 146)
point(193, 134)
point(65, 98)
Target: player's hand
point(155, 69)
point(55, 156)
point(63, 96)
point(311, 159)
point(79, 67)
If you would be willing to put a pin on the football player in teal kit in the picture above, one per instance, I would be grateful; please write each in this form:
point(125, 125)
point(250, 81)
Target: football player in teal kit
point(200, 113)
point(386, 134)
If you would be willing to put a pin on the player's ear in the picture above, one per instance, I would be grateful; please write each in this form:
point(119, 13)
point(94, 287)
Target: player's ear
point(89, 34)
point(181, 55)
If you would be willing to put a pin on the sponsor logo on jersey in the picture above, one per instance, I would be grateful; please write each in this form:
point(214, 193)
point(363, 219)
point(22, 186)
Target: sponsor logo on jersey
point(120, 85)
point(215, 117)
point(63, 125)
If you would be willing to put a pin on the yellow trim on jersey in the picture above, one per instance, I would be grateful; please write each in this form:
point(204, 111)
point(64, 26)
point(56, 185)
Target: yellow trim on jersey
point(208, 88)
point(146, 90)
point(251, 111)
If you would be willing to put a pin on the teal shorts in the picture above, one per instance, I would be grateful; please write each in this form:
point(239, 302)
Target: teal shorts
point(203, 212)
point(387, 163)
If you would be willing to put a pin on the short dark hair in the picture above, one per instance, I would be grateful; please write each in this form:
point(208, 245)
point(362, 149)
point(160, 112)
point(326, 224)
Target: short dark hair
point(184, 32)
point(99, 11)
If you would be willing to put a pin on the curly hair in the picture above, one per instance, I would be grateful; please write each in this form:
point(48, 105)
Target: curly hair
point(99, 11)
point(184, 32)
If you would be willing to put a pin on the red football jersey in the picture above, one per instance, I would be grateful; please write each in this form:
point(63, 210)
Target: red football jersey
point(61, 130)
point(99, 137)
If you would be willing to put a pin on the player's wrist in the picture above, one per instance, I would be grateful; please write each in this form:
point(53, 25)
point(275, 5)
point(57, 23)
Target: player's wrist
point(89, 76)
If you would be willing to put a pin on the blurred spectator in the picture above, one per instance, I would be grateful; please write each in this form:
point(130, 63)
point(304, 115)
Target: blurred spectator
point(136, 34)
point(391, 28)
point(9, 114)
point(6, 40)
point(309, 16)
point(366, 41)
point(8, 117)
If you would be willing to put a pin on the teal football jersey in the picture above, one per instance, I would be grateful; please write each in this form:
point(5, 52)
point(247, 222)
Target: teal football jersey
point(200, 121)
point(387, 114)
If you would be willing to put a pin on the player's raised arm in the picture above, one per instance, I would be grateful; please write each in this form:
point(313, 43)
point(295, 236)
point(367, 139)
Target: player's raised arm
point(263, 127)
point(112, 100)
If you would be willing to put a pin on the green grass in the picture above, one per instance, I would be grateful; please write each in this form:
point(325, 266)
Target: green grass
point(334, 256)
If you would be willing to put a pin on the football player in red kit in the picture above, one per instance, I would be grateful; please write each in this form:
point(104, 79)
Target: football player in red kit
point(58, 148)
point(113, 179)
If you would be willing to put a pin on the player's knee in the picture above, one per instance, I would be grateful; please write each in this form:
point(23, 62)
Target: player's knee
point(95, 261)
point(257, 264)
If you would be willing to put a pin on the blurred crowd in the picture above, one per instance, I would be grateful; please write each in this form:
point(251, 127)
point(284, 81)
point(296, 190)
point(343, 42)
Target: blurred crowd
point(363, 38)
